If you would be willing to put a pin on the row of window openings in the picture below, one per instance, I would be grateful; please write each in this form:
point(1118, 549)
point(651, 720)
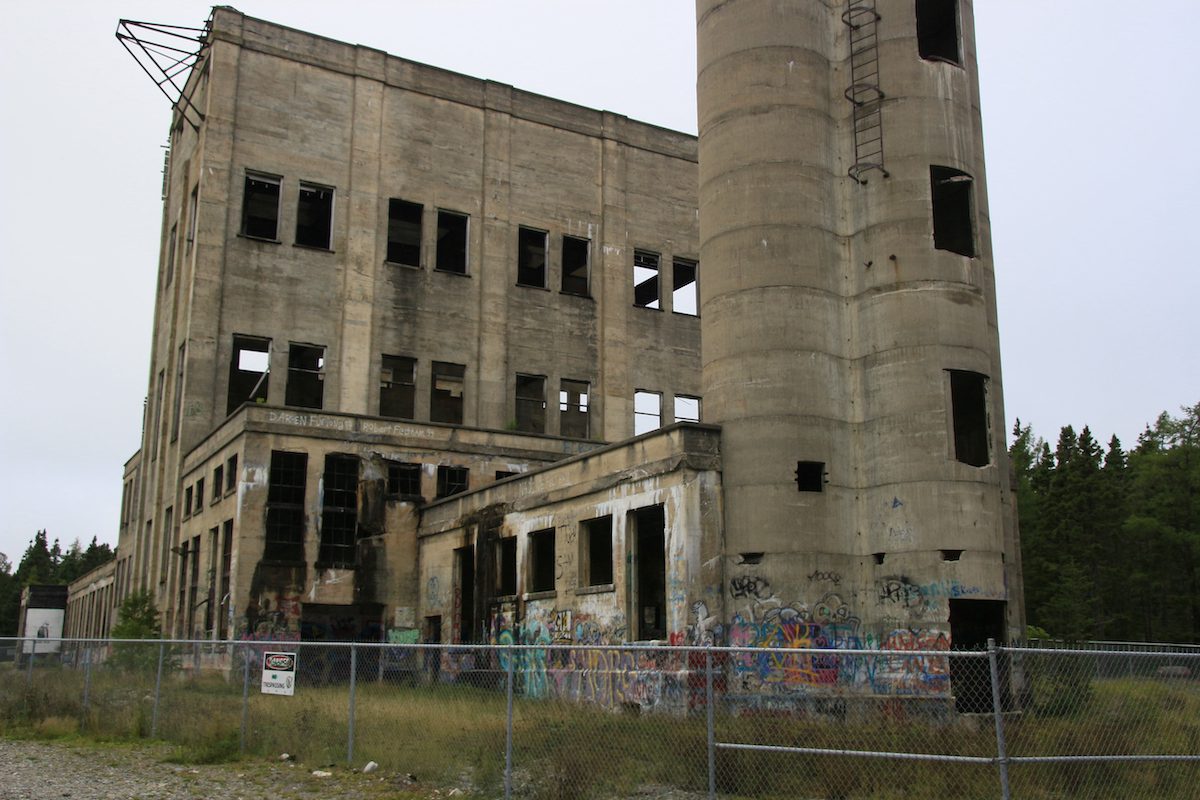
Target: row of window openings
point(218, 591)
point(224, 481)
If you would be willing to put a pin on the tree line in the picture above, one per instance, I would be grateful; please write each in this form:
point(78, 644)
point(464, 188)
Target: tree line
point(44, 563)
point(1110, 540)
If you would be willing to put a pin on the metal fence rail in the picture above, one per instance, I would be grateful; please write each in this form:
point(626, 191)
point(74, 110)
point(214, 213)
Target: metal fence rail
point(580, 721)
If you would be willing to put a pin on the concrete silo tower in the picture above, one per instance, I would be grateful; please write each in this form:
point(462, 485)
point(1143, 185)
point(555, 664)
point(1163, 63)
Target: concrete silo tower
point(850, 348)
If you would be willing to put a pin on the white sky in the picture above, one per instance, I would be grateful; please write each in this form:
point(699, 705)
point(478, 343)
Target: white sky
point(1089, 111)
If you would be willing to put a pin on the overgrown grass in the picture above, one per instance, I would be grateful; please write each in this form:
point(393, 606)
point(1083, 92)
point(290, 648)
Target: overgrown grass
point(454, 736)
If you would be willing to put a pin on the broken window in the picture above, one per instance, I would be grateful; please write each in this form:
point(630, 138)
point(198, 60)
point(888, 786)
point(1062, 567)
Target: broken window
point(177, 413)
point(169, 267)
point(314, 216)
point(404, 232)
point(223, 591)
point(404, 480)
point(218, 480)
point(451, 480)
point(199, 506)
point(284, 535)
point(231, 473)
point(683, 282)
point(248, 371)
point(573, 409)
point(810, 476)
point(531, 403)
point(193, 589)
point(687, 409)
point(397, 387)
point(937, 30)
point(647, 411)
point(645, 279)
point(260, 206)
point(953, 227)
point(531, 257)
point(446, 393)
point(452, 242)
point(187, 502)
point(968, 401)
point(541, 561)
point(506, 566)
point(181, 602)
point(575, 265)
point(306, 376)
point(596, 552)
point(339, 511)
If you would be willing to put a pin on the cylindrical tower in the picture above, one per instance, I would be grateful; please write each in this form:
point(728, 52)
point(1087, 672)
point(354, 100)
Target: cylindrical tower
point(850, 349)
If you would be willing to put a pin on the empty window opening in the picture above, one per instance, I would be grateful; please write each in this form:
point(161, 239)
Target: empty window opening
point(398, 387)
point(306, 376)
point(755, 557)
point(645, 279)
point(224, 599)
point(953, 227)
point(260, 207)
point(531, 403)
point(972, 623)
point(541, 561)
point(404, 480)
point(951, 555)
point(464, 562)
point(339, 511)
point(284, 535)
point(218, 481)
point(199, 506)
point(185, 554)
point(231, 476)
point(501, 474)
point(248, 372)
point(452, 242)
point(596, 552)
point(683, 282)
point(531, 257)
point(169, 266)
point(647, 412)
point(879, 557)
point(446, 393)
point(187, 501)
point(314, 216)
point(506, 566)
point(452, 480)
point(937, 30)
point(177, 412)
point(575, 254)
point(573, 409)
point(193, 211)
point(213, 536)
point(687, 409)
point(810, 476)
point(404, 232)
point(650, 565)
point(968, 400)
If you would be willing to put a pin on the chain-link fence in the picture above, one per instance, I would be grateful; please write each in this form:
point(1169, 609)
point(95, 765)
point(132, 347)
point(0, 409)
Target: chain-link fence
point(577, 722)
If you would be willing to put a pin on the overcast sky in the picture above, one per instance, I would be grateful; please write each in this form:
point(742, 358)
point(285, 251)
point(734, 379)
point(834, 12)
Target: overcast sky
point(1089, 112)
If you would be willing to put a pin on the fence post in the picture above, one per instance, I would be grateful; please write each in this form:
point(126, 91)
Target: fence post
point(508, 726)
point(157, 691)
point(87, 681)
point(245, 700)
point(353, 684)
point(712, 734)
point(998, 715)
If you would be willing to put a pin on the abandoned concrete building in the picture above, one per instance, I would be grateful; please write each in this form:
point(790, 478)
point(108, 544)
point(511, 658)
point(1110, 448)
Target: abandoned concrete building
point(436, 359)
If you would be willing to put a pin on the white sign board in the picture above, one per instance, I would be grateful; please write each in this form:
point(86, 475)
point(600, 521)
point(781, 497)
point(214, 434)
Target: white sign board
point(43, 623)
point(279, 673)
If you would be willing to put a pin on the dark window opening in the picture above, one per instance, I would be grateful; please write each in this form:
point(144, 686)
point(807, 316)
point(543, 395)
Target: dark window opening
point(446, 393)
point(501, 474)
point(506, 566)
point(597, 552)
point(464, 558)
point(404, 480)
point(937, 30)
point(810, 476)
point(650, 558)
point(879, 557)
point(531, 257)
point(951, 555)
point(531, 403)
point(181, 603)
point(755, 557)
point(541, 561)
point(249, 370)
point(218, 480)
point(314, 216)
point(452, 242)
point(645, 279)
point(193, 212)
point(260, 207)
point(170, 265)
point(683, 280)
point(209, 599)
point(224, 599)
point(647, 411)
point(306, 376)
point(339, 511)
point(968, 399)
point(404, 232)
point(687, 409)
point(573, 409)
point(177, 412)
point(953, 227)
point(972, 623)
point(452, 480)
point(284, 536)
point(231, 477)
point(187, 502)
point(398, 387)
point(199, 506)
point(575, 265)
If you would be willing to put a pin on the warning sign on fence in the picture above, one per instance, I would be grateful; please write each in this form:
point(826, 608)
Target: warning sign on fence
point(279, 673)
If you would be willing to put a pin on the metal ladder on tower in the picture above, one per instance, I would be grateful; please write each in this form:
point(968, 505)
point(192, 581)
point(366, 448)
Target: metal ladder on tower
point(864, 92)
